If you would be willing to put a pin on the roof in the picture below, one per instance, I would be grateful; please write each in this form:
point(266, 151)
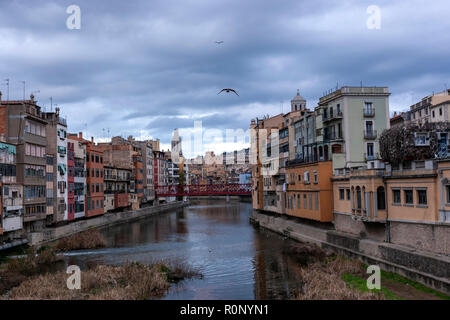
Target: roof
point(298, 97)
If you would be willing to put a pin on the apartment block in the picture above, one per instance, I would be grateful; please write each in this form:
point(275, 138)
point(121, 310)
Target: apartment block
point(22, 124)
point(57, 146)
point(432, 108)
point(309, 191)
point(117, 188)
point(79, 174)
point(352, 119)
point(11, 199)
point(147, 160)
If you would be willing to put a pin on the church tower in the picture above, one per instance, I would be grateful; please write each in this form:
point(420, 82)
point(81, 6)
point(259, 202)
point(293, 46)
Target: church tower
point(298, 102)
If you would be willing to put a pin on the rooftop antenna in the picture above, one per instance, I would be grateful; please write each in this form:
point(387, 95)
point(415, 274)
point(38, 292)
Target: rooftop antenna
point(85, 126)
point(103, 129)
point(361, 83)
point(337, 85)
point(51, 104)
point(108, 134)
point(7, 92)
point(23, 82)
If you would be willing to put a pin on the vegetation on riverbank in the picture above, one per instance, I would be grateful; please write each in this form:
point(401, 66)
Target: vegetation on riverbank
point(15, 271)
point(322, 280)
point(330, 277)
point(132, 281)
point(32, 278)
point(90, 239)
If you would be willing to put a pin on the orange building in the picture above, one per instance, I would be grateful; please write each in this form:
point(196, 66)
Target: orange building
point(309, 191)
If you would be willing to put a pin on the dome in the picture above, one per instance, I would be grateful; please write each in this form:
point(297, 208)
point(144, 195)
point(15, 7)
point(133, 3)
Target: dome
point(298, 97)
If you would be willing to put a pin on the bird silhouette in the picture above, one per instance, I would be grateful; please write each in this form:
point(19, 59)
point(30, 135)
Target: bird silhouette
point(228, 90)
point(219, 42)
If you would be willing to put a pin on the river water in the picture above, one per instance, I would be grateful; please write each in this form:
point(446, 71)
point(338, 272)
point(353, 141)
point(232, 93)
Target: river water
point(237, 261)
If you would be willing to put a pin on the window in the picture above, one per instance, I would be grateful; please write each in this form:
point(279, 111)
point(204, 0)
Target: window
point(348, 193)
point(440, 111)
point(396, 195)
point(433, 113)
point(299, 178)
point(341, 194)
point(316, 196)
point(370, 151)
point(409, 197)
point(87, 159)
point(298, 201)
point(448, 193)
point(304, 201)
point(422, 197)
point(421, 139)
point(307, 177)
point(381, 202)
point(316, 179)
point(358, 197)
point(310, 201)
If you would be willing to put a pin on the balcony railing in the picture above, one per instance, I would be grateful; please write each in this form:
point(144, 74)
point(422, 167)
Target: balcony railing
point(370, 134)
point(374, 156)
point(329, 117)
point(369, 112)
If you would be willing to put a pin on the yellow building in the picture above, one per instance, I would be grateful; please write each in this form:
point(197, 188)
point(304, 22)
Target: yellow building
point(408, 205)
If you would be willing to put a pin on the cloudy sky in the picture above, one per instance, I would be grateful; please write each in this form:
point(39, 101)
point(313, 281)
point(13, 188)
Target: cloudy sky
point(143, 68)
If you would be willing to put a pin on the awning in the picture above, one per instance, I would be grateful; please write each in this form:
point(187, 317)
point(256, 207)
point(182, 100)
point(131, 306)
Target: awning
point(11, 148)
point(62, 168)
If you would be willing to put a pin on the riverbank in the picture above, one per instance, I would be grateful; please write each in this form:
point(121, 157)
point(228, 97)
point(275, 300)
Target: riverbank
point(36, 276)
point(430, 270)
point(109, 219)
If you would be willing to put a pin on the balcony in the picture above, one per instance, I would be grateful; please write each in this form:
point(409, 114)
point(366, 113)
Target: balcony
point(370, 134)
point(369, 112)
point(333, 116)
point(371, 157)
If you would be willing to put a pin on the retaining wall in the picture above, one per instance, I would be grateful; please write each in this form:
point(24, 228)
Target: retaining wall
point(428, 268)
point(108, 219)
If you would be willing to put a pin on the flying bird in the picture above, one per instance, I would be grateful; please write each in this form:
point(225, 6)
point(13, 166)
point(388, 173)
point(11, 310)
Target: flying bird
point(228, 90)
point(219, 42)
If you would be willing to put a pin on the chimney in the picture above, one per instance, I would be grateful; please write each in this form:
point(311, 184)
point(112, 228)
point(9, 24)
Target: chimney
point(92, 139)
point(0, 96)
point(57, 111)
point(80, 135)
point(32, 98)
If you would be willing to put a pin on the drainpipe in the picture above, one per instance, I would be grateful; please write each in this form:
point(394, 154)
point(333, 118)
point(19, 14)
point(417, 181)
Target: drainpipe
point(388, 226)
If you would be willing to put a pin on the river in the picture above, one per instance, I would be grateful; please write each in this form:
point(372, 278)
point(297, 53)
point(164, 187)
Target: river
point(237, 261)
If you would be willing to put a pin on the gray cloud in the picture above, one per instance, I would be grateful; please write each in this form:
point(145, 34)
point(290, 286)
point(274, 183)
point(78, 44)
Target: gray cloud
point(154, 66)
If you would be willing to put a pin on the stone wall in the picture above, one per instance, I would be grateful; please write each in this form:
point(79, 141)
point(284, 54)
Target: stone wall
point(109, 219)
point(427, 237)
point(370, 230)
point(428, 268)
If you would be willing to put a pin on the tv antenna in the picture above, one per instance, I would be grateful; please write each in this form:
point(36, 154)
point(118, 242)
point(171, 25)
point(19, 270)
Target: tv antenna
point(23, 82)
point(7, 91)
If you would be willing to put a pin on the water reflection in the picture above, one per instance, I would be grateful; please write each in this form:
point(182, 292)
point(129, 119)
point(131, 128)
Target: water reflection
point(236, 260)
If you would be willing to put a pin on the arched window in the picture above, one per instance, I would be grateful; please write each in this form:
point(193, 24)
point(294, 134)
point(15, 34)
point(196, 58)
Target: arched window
point(298, 200)
point(325, 150)
point(320, 152)
point(381, 199)
point(358, 197)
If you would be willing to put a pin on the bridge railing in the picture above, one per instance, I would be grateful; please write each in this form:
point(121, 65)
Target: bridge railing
point(203, 189)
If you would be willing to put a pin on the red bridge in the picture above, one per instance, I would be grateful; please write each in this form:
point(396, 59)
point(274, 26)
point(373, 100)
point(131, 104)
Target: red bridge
point(204, 190)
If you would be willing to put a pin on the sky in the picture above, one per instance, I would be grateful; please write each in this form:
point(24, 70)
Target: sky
point(144, 68)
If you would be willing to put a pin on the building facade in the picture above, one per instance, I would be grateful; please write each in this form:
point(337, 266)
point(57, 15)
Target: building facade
point(22, 124)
